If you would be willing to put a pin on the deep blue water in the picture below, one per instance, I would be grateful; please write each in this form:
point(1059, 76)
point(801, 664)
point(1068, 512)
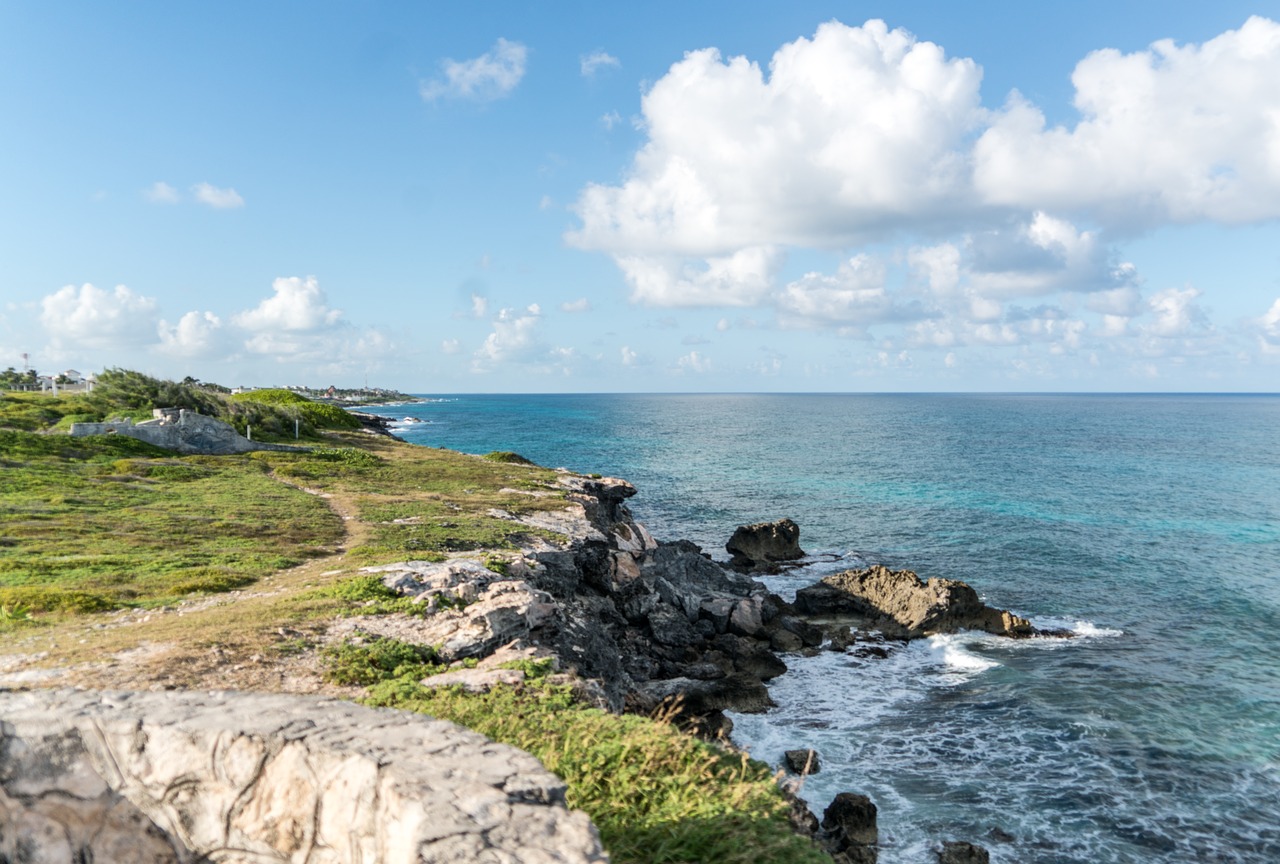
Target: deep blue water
point(1150, 524)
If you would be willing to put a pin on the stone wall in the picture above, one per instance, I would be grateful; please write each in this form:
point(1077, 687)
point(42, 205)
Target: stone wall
point(183, 431)
point(172, 778)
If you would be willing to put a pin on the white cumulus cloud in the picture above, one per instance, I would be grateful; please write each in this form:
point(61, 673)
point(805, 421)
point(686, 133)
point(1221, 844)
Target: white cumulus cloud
point(197, 334)
point(1175, 133)
point(297, 305)
point(490, 76)
point(862, 135)
point(92, 317)
point(514, 337)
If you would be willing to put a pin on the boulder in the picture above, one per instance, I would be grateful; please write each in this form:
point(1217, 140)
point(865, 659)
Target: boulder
point(759, 547)
point(900, 605)
point(849, 829)
point(802, 762)
point(960, 852)
point(174, 777)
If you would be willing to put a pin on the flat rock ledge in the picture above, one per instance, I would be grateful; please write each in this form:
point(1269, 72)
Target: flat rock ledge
point(263, 778)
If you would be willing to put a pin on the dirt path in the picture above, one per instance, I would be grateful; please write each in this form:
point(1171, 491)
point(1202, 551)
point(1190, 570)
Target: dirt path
point(259, 638)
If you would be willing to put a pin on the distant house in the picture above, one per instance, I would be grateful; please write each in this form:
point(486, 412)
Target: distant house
point(71, 376)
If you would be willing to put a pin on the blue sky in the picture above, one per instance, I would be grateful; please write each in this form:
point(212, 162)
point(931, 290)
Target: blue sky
point(544, 197)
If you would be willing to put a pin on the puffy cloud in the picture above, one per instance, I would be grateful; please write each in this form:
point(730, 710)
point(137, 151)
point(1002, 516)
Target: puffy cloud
point(629, 357)
point(1173, 133)
point(582, 304)
point(161, 193)
point(741, 279)
point(608, 121)
point(597, 60)
point(1175, 314)
point(866, 134)
point(219, 199)
point(853, 131)
point(854, 295)
point(450, 346)
point(479, 306)
point(197, 334)
point(298, 305)
point(490, 76)
point(514, 337)
point(1041, 256)
point(91, 317)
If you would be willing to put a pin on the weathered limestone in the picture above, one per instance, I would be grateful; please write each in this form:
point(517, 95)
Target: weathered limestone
point(637, 623)
point(188, 777)
point(181, 430)
point(900, 605)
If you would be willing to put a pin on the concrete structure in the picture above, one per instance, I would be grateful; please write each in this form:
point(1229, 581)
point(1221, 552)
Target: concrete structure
point(181, 430)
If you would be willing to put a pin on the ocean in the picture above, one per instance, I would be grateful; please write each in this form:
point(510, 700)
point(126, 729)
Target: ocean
point(1147, 524)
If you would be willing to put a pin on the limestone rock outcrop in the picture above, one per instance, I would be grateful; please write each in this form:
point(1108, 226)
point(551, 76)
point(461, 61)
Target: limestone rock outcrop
point(758, 548)
point(900, 605)
point(649, 624)
point(176, 778)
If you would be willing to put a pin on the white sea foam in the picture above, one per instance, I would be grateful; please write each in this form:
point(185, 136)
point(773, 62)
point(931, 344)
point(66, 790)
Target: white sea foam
point(1082, 629)
point(951, 651)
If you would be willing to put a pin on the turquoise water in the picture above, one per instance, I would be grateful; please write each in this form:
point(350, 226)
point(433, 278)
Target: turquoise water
point(1148, 524)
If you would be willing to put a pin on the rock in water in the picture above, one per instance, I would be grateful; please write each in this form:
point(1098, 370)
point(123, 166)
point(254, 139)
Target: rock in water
point(760, 547)
point(959, 852)
point(900, 605)
point(849, 828)
point(802, 762)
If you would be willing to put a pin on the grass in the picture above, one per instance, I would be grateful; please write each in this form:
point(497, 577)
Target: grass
point(91, 524)
point(658, 795)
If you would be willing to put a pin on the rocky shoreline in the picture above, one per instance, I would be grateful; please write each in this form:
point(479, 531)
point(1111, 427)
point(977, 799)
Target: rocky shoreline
point(646, 626)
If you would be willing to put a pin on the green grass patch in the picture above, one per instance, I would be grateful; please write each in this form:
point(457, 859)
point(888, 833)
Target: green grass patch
point(658, 795)
point(102, 521)
point(373, 661)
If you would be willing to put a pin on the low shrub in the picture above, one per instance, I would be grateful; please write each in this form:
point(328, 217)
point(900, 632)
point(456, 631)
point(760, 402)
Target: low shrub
point(508, 457)
point(367, 663)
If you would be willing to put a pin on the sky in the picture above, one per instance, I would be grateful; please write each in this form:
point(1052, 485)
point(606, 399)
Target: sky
point(689, 197)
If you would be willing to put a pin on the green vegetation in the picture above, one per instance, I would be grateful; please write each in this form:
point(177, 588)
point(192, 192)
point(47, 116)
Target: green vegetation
point(94, 523)
point(314, 414)
point(378, 660)
point(508, 457)
point(658, 795)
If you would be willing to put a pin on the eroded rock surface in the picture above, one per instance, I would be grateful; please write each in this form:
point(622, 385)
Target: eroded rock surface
point(900, 605)
point(758, 548)
point(648, 623)
point(193, 777)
